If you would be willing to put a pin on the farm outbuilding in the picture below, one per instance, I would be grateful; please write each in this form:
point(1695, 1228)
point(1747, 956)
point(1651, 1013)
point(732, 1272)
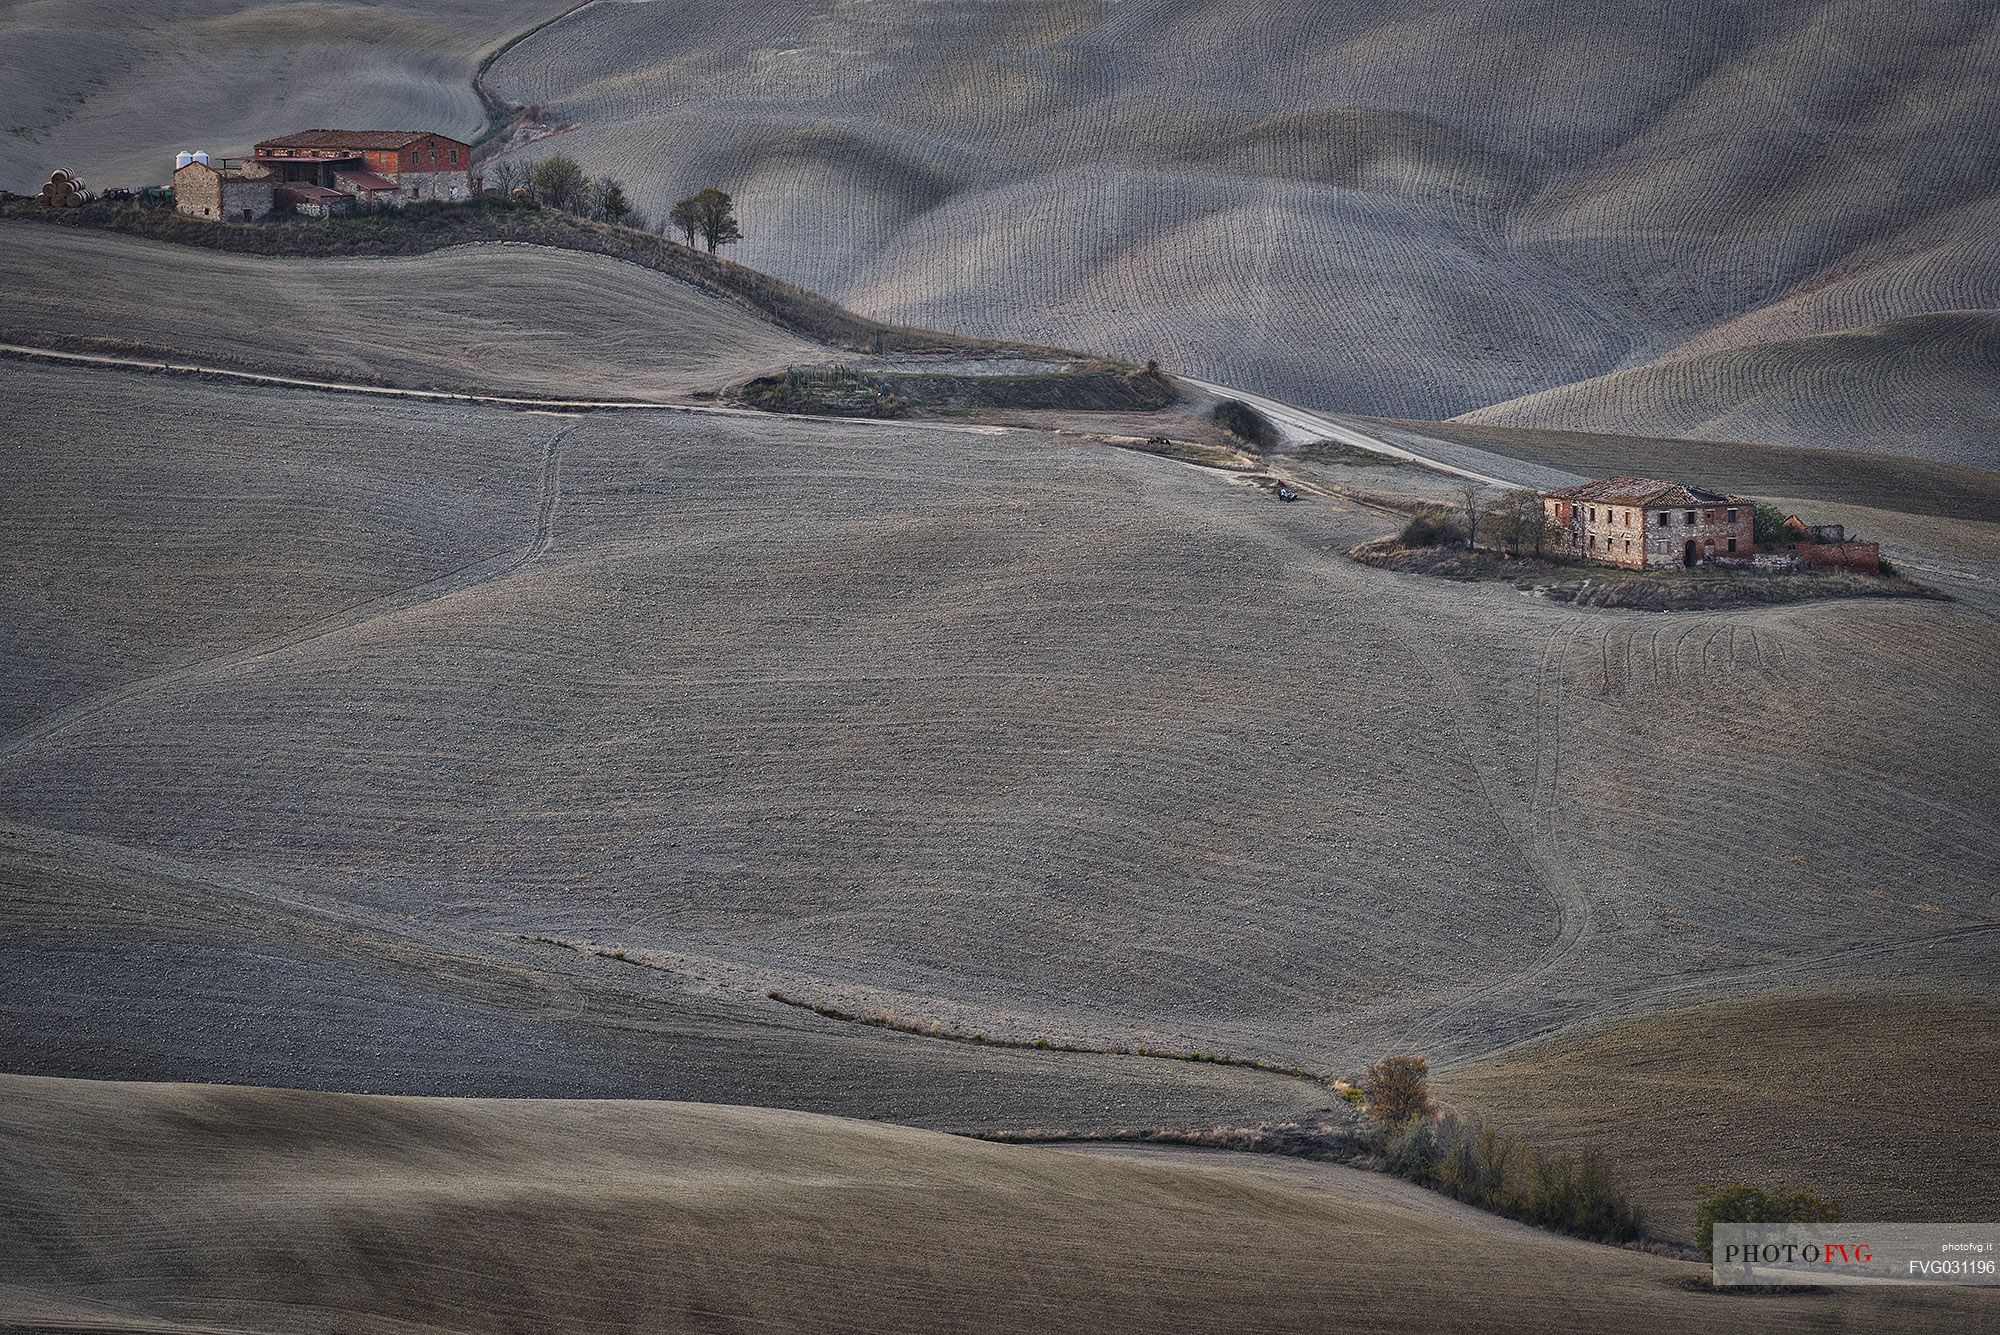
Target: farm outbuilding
point(412, 164)
point(323, 172)
point(225, 191)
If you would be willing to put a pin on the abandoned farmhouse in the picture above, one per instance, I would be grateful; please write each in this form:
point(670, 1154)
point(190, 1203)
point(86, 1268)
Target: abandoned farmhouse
point(1646, 524)
point(324, 172)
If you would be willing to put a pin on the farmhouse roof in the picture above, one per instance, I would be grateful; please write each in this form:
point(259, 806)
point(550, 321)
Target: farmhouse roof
point(304, 191)
point(361, 180)
point(1641, 491)
point(348, 139)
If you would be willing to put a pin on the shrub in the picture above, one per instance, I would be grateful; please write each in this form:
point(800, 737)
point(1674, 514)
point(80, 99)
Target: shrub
point(1431, 528)
point(1398, 1090)
point(1412, 1150)
point(1740, 1204)
point(1241, 420)
point(1495, 1172)
point(1768, 527)
point(1598, 1205)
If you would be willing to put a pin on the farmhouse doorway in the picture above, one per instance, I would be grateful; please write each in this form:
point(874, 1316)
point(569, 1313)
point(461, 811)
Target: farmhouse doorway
point(1687, 557)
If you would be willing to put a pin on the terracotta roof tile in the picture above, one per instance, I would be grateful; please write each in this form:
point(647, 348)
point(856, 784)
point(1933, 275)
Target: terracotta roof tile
point(1643, 491)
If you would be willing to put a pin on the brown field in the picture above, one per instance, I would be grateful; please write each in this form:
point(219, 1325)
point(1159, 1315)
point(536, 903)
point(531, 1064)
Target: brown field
point(739, 695)
point(402, 747)
point(181, 1208)
point(507, 319)
point(1883, 1099)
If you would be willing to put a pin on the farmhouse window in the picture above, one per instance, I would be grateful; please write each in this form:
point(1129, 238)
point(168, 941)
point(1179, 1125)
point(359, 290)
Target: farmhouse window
point(1732, 544)
point(1690, 519)
point(1732, 516)
point(454, 157)
point(1663, 519)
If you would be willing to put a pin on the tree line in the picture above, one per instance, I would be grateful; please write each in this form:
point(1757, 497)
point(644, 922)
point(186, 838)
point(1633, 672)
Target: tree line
point(558, 182)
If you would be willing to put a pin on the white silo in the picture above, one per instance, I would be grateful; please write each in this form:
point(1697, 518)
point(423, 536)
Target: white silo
point(182, 159)
point(201, 157)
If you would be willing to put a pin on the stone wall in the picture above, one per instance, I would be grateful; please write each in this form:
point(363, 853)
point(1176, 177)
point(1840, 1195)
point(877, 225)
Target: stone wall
point(1623, 534)
point(202, 191)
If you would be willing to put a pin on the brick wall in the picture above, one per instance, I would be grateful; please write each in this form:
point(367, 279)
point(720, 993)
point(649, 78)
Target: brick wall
point(1865, 557)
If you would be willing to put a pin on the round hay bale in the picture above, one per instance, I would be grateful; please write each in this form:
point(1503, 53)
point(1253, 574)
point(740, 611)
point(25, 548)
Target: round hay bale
point(57, 176)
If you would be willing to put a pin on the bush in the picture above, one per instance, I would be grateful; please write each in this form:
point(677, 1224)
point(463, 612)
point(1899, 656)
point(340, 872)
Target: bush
point(1412, 1150)
point(1398, 1090)
point(1431, 528)
point(1245, 422)
point(1740, 1204)
point(1495, 1172)
point(1768, 527)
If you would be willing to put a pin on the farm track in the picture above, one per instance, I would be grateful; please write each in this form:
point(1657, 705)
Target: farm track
point(1300, 424)
point(184, 368)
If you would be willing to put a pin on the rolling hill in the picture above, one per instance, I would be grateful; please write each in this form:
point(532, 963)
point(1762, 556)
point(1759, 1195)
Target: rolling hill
point(1920, 387)
point(1291, 198)
point(176, 1208)
point(111, 89)
point(521, 320)
point(1669, 212)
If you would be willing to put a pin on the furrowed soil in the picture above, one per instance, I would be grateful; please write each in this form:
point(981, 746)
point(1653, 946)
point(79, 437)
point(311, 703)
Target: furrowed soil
point(1882, 1099)
point(410, 747)
point(184, 1208)
point(1015, 733)
point(520, 320)
point(1093, 176)
point(111, 89)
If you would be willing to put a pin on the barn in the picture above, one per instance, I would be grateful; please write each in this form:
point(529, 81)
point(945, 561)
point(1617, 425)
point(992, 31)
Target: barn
point(324, 172)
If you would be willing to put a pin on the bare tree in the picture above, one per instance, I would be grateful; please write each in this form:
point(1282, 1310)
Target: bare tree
point(1469, 496)
point(504, 176)
point(607, 200)
point(1519, 521)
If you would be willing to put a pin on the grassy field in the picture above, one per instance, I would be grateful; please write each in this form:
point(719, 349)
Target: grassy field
point(184, 1208)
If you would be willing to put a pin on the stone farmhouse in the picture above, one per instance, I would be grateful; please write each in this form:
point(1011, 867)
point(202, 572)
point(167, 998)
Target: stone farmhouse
point(1647, 524)
point(323, 172)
